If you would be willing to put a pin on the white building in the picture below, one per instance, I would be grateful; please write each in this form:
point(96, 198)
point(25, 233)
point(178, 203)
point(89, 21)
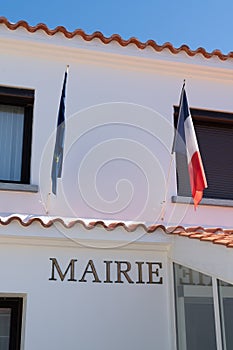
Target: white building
point(119, 258)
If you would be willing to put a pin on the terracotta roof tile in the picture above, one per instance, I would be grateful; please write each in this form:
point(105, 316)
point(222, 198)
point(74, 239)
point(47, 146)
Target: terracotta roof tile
point(115, 37)
point(198, 235)
point(185, 233)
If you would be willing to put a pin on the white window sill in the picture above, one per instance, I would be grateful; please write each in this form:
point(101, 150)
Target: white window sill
point(5, 186)
point(204, 201)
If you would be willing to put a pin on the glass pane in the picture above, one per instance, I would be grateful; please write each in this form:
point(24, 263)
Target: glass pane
point(194, 310)
point(5, 320)
point(226, 310)
point(11, 142)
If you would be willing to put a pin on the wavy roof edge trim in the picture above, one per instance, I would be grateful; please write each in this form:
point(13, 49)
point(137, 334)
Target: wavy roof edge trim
point(213, 235)
point(117, 38)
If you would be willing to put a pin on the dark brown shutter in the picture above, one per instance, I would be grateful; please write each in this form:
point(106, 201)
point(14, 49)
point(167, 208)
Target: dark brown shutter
point(216, 147)
point(214, 132)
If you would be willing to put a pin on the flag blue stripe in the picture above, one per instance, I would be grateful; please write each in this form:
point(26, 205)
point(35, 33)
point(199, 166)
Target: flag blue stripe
point(179, 145)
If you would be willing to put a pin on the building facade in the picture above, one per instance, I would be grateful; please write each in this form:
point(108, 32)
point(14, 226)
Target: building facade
point(118, 258)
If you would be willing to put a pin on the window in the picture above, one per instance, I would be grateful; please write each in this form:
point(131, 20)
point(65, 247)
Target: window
point(16, 111)
point(214, 132)
point(204, 308)
point(10, 323)
point(194, 310)
point(226, 311)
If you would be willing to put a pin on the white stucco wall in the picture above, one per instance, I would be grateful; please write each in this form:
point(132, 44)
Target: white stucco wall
point(67, 314)
point(119, 132)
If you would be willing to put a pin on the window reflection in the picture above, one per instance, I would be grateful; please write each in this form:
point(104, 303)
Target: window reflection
point(194, 310)
point(226, 311)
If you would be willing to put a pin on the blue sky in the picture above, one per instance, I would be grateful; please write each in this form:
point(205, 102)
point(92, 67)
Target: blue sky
point(196, 23)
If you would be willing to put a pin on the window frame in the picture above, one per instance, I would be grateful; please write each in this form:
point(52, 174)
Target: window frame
point(24, 98)
point(16, 306)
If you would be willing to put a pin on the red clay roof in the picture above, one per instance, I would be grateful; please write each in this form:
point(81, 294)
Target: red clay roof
point(214, 235)
point(115, 37)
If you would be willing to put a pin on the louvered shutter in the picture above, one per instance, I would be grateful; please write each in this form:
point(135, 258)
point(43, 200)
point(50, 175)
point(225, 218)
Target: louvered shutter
point(214, 131)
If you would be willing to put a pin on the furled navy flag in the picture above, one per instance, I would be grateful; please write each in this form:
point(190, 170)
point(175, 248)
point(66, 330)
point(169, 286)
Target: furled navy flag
point(185, 142)
point(59, 144)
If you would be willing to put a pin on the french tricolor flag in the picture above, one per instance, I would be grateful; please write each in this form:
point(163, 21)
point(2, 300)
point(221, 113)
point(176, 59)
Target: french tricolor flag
point(186, 142)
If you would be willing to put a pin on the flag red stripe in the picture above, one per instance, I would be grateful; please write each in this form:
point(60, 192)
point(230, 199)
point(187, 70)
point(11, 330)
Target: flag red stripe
point(197, 178)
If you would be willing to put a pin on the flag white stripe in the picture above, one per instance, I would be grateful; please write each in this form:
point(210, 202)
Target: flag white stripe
point(190, 137)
